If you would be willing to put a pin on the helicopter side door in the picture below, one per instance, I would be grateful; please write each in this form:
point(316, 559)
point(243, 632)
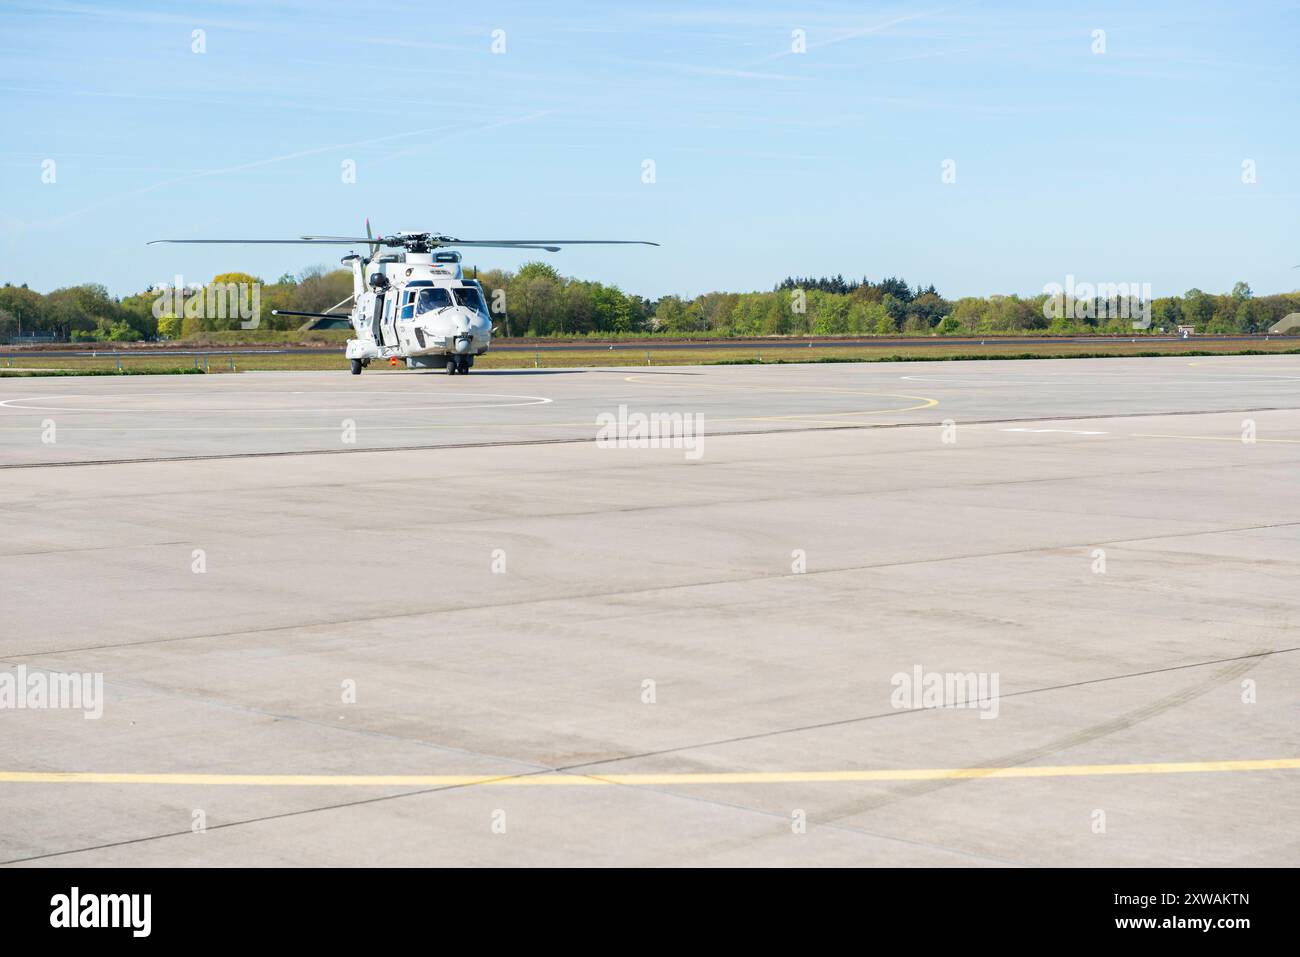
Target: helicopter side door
point(376, 314)
point(389, 329)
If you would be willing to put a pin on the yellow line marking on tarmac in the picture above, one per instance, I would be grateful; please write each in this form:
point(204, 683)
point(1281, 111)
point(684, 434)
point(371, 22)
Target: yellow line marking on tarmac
point(804, 419)
point(924, 403)
point(549, 779)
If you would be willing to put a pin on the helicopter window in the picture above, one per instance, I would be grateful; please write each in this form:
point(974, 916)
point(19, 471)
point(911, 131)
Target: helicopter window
point(430, 299)
point(469, 296)
point(408, 306)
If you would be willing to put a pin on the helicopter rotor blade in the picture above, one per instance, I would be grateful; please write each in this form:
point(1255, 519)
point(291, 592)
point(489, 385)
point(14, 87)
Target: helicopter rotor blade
point(368, 240)
point(548, 243)
point(549, 249)
point(279, 242)
point(417, 241)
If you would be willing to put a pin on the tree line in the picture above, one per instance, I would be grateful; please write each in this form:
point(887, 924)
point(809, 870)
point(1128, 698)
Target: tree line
point(535, 300)
point(87, 313)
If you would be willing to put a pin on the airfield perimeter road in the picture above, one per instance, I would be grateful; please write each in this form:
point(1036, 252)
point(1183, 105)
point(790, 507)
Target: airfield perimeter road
point(569, 654)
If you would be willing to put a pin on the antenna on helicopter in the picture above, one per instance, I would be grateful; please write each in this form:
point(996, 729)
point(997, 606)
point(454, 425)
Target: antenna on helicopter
point(374, 247)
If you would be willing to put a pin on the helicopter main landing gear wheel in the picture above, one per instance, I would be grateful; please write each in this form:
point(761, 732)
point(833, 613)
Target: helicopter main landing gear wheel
point(357, 366)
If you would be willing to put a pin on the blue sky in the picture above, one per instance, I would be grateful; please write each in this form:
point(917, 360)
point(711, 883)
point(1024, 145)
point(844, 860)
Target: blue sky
point(1117, 166)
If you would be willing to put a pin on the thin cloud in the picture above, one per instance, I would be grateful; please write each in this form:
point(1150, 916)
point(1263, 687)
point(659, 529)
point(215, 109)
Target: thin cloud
point(272, 160)
point(872, 30)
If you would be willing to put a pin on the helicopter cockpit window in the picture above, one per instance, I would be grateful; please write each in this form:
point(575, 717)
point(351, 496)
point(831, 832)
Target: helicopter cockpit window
point(469, 296)
point(431, 299)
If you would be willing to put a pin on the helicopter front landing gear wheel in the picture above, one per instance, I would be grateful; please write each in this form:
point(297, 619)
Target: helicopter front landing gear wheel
point(357, 366)
point(463, 362)
point(451, 367)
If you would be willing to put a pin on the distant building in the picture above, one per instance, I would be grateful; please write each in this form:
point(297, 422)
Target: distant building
point(1288, 323)
point(334, 322)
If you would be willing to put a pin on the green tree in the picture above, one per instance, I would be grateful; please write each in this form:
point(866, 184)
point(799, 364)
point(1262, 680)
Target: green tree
point(169, 326)
point(75, 311)
point(26, 306)
point(137, 312)
point(533, 302)
point(1167, 313)
point(611, 310)
point(318, 289)
point(1198, 308)
point(672, 316)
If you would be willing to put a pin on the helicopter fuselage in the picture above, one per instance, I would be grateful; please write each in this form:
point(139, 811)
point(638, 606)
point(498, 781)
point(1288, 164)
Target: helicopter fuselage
point(417, 307)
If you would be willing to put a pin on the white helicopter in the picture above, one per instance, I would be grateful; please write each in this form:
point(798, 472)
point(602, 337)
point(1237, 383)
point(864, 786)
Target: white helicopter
point(416, 304)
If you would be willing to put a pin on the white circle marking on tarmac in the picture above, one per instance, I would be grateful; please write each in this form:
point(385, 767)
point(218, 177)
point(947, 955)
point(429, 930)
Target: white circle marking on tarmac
point(527, 400)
